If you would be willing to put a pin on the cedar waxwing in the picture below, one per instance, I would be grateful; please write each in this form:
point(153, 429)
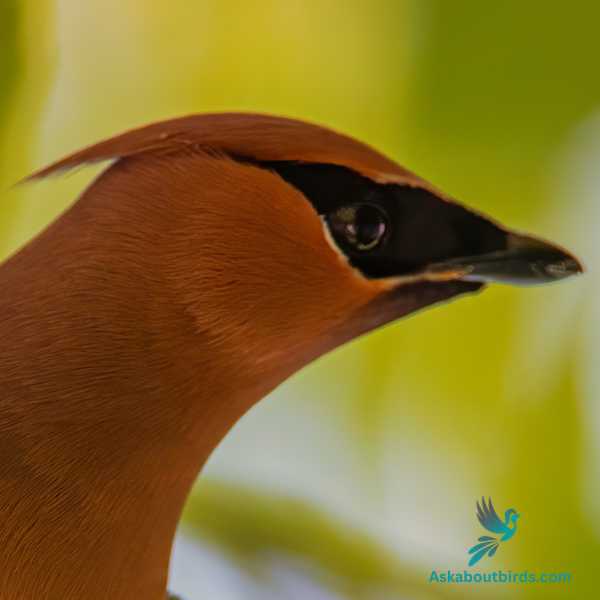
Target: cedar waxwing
point(216, 256)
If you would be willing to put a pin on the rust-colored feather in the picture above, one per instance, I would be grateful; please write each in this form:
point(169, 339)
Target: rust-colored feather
point(137, 328)
point(248, 135)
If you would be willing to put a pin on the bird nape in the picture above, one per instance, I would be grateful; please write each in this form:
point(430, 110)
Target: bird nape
point(214, 257)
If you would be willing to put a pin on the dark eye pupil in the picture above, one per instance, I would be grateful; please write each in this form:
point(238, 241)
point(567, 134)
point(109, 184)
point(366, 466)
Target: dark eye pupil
point(362, 227)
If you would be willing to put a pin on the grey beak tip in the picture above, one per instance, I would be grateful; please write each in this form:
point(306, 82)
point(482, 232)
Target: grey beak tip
point(565, 267)
point(525, 261)
point(547, 261)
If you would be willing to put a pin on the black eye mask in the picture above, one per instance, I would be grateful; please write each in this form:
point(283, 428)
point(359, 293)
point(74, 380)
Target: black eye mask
point(388, 229)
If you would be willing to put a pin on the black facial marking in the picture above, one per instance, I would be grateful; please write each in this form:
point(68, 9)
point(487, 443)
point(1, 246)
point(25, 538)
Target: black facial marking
point(389, 229)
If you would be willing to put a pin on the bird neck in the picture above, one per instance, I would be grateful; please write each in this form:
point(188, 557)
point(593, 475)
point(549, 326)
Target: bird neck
point(89, 501)
point(133, 336)
point(110, 405)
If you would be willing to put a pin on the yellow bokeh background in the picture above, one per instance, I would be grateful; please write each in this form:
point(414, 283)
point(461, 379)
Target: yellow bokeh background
point(359, 476)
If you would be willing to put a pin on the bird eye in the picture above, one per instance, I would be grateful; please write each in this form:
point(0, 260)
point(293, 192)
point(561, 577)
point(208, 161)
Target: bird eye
point(362, 226)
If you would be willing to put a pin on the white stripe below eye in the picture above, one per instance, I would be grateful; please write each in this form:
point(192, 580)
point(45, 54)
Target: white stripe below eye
point(332, 242)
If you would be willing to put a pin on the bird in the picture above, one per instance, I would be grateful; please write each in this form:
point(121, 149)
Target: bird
point(488, 517)
point(215, 255)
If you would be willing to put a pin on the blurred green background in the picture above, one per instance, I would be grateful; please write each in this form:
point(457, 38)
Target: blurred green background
point(359, 476)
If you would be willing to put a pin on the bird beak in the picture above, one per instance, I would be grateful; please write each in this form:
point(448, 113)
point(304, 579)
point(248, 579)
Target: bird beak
point(524, 261)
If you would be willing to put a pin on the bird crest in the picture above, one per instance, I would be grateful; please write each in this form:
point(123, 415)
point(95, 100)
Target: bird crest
point(489, 519)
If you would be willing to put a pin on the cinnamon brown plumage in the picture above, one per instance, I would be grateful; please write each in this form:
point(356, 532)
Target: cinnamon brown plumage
point(216, 255)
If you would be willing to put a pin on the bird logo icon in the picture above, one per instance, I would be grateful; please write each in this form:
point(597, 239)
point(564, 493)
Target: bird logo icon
point(488, 517)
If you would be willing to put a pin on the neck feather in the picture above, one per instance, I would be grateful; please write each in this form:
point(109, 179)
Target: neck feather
point(105, 415)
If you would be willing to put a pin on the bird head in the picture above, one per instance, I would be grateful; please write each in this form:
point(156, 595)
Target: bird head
point(284, 239)
point(217, 255)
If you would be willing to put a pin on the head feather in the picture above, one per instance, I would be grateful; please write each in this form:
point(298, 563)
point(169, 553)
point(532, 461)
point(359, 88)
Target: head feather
point(245, 135)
